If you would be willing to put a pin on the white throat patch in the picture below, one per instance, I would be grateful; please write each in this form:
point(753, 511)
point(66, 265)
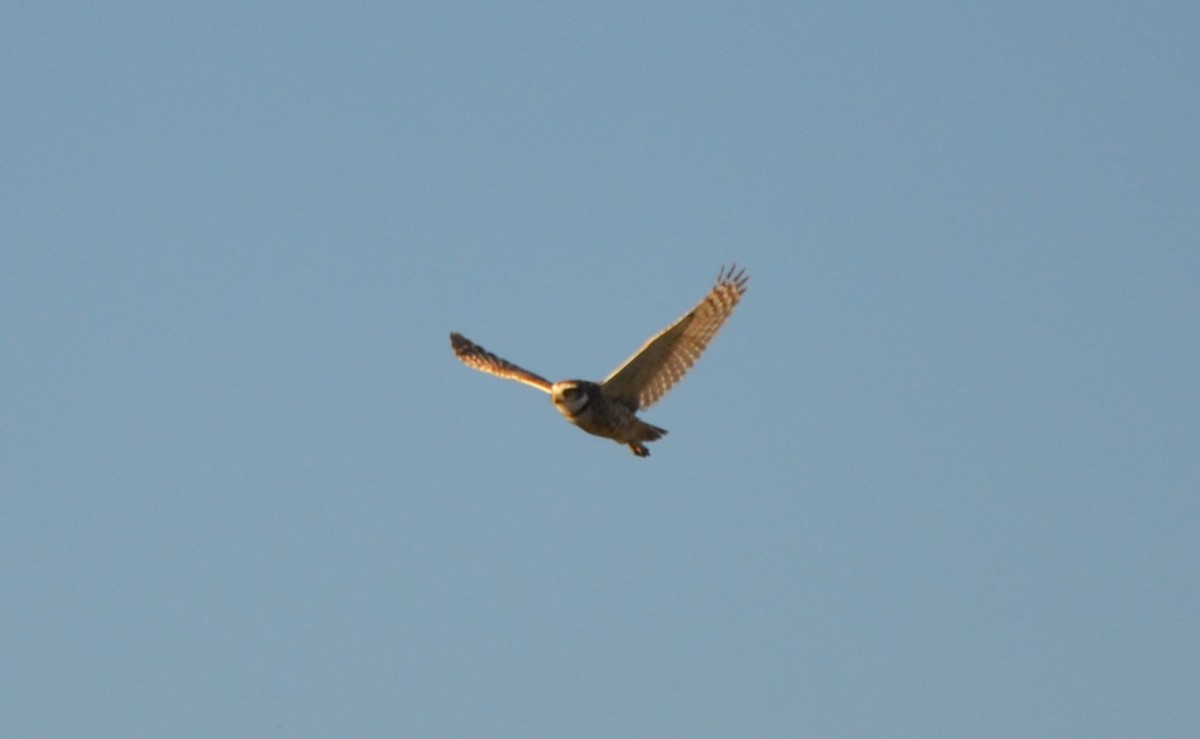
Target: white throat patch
point(570, 407)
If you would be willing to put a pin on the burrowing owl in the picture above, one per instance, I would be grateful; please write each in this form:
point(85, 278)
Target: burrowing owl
point(609, 408)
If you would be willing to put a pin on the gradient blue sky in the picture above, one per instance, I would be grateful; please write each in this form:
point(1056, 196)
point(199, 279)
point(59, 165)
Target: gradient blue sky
point(938, 477)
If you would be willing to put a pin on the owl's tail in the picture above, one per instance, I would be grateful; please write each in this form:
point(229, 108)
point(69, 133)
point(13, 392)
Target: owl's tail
point(644, 432)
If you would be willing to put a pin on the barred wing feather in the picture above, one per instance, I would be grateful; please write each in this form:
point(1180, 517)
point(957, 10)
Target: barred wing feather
point(664, 359)
point(476, 357)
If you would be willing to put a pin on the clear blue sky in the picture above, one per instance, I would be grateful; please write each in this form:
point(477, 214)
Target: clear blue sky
point(939, 476)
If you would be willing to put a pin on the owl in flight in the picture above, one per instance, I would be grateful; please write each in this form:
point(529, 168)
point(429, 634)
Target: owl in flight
point(609, 408)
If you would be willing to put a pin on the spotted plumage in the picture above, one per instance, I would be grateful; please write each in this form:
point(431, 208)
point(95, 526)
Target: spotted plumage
point(609, 408)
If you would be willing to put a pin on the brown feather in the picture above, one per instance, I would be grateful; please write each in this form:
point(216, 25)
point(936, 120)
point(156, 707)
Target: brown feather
point(476, 357)
point(663, 360)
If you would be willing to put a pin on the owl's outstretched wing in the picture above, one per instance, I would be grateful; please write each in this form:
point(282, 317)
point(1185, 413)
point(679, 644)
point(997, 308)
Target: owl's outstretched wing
point(662, 361)
point(476, 357)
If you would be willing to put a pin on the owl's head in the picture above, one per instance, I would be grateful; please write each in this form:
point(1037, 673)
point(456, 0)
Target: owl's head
point(570, 397)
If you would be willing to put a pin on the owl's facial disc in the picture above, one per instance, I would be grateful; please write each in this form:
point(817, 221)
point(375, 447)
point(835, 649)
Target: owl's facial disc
point(568, 397)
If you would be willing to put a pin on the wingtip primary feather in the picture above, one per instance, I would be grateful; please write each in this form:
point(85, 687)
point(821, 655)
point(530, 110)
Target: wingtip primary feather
point(460, 343)
point(733, 276)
